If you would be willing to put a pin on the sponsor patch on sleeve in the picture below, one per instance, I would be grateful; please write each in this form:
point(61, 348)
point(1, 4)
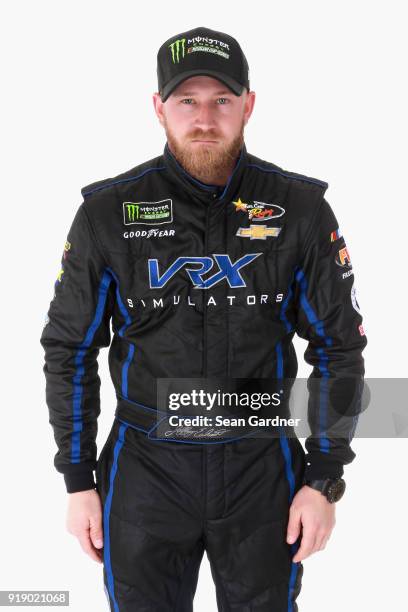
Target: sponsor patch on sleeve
point(335, 235)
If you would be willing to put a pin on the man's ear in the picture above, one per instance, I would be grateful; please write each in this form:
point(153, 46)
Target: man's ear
point(158, 106)
point(249, 105)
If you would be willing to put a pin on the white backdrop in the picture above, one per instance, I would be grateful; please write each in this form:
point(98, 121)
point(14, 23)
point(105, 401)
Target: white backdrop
point(77, 81)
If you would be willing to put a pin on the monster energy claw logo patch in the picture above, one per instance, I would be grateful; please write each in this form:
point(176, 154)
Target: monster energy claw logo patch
point(177, 47)
point(182, 47)
point(148, 213)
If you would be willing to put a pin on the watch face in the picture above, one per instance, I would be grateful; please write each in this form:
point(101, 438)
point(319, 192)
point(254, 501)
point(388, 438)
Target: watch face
point(336, 490)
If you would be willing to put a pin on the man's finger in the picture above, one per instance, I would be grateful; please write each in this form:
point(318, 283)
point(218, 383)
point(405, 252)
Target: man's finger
point(306, 546)
point(96, 532)
point(294, 526)
point(321, 544)
point(87, 547)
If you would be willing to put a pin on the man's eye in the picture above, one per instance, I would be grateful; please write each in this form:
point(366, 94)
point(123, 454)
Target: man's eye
point(187, 101)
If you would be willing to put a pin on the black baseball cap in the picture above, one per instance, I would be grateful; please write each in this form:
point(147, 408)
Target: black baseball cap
point(201, 51)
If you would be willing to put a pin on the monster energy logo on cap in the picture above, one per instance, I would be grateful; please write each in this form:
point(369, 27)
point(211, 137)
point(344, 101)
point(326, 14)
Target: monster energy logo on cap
point(148, 213)
point(175, 49)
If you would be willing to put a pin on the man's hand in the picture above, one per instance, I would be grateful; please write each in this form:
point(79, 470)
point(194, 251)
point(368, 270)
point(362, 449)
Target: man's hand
point(311, 510)
point(84, 520)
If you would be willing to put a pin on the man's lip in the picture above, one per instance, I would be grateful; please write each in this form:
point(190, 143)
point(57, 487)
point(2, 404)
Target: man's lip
point(204, 141)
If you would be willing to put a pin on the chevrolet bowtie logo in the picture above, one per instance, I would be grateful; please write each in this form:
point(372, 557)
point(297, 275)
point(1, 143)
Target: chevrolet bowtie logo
point(258, 231)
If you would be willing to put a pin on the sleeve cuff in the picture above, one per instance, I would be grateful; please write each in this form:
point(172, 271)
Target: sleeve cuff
point(321, 467)
point(80, 481)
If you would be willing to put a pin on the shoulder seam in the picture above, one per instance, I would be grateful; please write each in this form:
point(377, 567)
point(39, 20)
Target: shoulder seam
point(291, 176)
point(94, 236)
point(309, 236)
point(126, 180)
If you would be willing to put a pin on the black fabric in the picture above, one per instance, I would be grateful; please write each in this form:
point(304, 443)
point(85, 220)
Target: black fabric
point(166, 503)
point(231, 321)
point(83, 481)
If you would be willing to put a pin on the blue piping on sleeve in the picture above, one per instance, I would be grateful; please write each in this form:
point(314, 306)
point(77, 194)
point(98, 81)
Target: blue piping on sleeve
point(324, 397)
point(80, 368)
point(282, 314)
point(131, 350)
point(324, 442)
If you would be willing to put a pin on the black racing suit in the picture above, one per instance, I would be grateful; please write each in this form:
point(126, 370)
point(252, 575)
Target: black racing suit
point(199, 281)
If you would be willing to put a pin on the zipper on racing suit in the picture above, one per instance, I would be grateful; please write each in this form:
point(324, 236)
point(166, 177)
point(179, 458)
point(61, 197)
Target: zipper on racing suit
point(206, 254)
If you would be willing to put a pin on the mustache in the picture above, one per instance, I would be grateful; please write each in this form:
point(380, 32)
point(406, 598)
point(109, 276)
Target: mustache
point(202, 136)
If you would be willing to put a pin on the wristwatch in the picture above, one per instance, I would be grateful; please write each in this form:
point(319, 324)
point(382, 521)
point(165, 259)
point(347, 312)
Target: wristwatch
point(332, 488)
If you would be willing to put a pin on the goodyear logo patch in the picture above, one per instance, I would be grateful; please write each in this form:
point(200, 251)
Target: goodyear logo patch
point(148, 213)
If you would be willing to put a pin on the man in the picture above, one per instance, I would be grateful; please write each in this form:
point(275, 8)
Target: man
point(207, 260)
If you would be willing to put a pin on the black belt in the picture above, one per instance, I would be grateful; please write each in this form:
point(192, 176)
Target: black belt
point(202, 429)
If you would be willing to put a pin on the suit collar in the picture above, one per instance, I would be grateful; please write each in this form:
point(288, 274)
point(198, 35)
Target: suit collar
point(204, 190)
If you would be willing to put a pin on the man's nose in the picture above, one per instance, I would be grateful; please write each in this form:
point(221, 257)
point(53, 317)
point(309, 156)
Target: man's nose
point(204, 117)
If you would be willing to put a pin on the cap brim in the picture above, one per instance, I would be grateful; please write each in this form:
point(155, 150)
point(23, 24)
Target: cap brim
point(232, 84)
